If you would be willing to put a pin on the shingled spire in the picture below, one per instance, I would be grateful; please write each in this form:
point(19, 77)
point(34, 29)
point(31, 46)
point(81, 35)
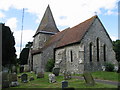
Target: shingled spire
point(47, 23)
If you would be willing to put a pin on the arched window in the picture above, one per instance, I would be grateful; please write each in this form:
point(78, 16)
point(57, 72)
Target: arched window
point(90, 51)
point(71, 54)
point(104, 52)
point(97, 42)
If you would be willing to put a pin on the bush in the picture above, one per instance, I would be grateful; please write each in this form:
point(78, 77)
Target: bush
point(109, 67)
point(49, 66)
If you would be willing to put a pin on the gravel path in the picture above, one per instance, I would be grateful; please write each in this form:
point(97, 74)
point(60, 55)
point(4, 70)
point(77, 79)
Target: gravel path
point(99, 80)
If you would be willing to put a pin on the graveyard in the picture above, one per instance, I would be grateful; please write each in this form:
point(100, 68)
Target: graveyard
point(43, 82)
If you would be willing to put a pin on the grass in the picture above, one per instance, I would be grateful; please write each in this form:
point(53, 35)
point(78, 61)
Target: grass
point(113, 76)
point(44, 83)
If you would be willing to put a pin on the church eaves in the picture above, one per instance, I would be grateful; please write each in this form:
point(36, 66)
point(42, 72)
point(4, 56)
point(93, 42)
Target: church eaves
point(47, 23)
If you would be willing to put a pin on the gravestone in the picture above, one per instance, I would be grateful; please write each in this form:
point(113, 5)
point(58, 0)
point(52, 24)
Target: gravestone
point(88, 79)
point(24, 78)
point(31, 78)
point(56, 71)
point(64, 84)
point(40, 75)
point(14, 69)
point(67, 75)
point(21, 68)
point(26, 68)
point(13, 80)
point(13, 77)
point(5, 79)
point(52, 78)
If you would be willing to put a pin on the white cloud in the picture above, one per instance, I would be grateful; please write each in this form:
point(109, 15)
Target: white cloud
point(109, 12)
point(114, 38)
point(12, 23)
point(76, 11)
point(2, 15)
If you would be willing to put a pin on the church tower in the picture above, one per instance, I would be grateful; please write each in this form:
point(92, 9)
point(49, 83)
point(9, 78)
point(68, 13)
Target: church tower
point(46, 28)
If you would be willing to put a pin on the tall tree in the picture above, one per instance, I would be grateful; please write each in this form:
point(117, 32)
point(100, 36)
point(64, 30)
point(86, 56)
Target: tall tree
point(25, 53)
point(8, 49)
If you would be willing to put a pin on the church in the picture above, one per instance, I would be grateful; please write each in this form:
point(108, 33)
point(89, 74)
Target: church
point(84, 47)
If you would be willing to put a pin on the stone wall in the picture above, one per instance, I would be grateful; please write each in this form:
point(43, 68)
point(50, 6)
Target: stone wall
point(97, 31)
point(36, 61)
point(63, 58)
point(39, 40)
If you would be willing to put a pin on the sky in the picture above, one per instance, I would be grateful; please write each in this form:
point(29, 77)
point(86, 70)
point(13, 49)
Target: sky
point(67, 13)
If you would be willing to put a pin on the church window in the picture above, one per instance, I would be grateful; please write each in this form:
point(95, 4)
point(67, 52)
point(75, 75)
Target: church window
point(104, 52)
point(90, 51)
point(97, 49)
point(71, 54)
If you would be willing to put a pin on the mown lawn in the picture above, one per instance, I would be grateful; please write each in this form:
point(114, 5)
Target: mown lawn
point(44, 83)
point(113, 76)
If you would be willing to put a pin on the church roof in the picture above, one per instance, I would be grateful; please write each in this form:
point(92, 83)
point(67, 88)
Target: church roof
point(47, 23)
point(71, 35)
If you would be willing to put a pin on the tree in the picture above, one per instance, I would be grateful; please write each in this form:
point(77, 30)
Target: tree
point(50, 64)
point(24, 56)
point(116, 47)
point(8, 49)
point(29, 45)
point(25, 53)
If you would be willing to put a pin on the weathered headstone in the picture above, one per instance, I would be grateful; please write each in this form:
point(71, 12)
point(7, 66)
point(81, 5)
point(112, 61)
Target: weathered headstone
point(24, 78)
point(14, 84)
point(31, 78)
point(56, 71)
point(67, 75)
point(13, 79)
point(21, 68)
point(52, 78)
point(40, 75)
point(14, 69)
point(26, 68)
point(64, 84)
point(88, 79)
point(5, 79)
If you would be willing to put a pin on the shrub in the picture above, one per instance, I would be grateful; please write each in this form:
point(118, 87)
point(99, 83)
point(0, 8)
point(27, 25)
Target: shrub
point(49, 66)
point(109, 67)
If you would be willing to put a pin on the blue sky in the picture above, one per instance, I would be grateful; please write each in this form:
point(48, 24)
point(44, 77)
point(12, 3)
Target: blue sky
point(67, 13)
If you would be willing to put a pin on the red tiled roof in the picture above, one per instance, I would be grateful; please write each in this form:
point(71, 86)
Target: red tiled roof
point(76, 33)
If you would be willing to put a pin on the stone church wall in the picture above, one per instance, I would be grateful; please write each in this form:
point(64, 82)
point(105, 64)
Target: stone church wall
point(36, 62)
point(97, 31)
point(63, 58)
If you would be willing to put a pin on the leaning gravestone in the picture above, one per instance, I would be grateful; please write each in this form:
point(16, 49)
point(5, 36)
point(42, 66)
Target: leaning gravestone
point(52, 78)
point(56, 71)
point(21, 68)
point(88, 79)
point(67, 75)
point(24, 78)
point(5, 79)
